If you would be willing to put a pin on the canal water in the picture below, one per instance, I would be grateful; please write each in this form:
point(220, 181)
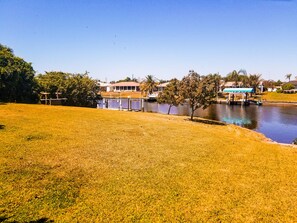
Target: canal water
point(277, 122)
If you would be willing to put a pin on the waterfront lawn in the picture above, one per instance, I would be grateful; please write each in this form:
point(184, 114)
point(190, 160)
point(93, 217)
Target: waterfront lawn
point(67, 164)
point(279, 97)
point(124, 94)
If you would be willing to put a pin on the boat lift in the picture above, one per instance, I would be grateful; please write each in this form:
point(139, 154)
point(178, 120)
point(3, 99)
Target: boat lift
point(241, 91)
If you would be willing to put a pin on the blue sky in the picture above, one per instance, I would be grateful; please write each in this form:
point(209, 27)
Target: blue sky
point(113, 39)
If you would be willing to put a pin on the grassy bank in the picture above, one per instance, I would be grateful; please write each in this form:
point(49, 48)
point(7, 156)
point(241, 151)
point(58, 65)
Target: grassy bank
point(76, 164)
point(124, 94)
point(279, 97)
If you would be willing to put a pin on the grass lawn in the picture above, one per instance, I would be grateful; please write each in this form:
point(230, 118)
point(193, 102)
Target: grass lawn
point(273, 96)
point(67, 164)
point(124, 94)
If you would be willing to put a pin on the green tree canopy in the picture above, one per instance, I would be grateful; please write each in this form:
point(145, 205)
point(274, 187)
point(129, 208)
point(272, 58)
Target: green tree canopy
point(53, 82)
point(17, 82)
point(171, 94)
point(236, 76)
point(288, 76)
point(253, 81)
point(79, 89)
point(288, 86)
point(198, 90)
point(148, 85)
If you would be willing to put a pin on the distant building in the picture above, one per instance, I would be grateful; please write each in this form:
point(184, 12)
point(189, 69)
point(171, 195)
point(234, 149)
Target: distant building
point(229, 84)
point(104, 86)
point(125, 86)
point(162, 86)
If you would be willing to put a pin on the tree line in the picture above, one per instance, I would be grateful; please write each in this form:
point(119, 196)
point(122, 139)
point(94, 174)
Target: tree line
point(18, 83)
point(196, 90)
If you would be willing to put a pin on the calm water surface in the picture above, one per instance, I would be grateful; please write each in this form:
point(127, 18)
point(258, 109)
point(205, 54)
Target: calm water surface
point(277, 122)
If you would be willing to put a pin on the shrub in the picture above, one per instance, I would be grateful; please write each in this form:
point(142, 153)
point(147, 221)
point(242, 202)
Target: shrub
point(288, 86)
point(294, 142)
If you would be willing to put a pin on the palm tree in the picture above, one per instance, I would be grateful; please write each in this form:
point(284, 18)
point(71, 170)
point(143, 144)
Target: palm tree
point(236, 76)
point(288, 76)
point(148, 85)
point(254, 81)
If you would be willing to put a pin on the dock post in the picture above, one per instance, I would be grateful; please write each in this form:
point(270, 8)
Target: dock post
point(129, 105)
point(142, 105)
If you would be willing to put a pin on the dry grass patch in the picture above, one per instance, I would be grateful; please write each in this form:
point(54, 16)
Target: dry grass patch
point(273, 96)
point(76, 164)
point(124, 94)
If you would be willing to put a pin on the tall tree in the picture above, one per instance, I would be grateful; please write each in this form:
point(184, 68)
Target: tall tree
point(53, 82)
point(217, 80)
point(236, 76)
point(199, 91)
point(79, 89)
point(171, 94)
point(268, 84)
point(17, 82)
point(288, 76)
point(148, 85)
point(254, 81)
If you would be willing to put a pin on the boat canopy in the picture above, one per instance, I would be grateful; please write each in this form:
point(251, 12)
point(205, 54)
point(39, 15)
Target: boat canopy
point(238, 90)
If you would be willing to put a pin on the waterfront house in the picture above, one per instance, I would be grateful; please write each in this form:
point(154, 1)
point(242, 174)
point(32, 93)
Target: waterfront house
point(162, 86)
point(229, 84)
point(125, 86)
point(104, 86)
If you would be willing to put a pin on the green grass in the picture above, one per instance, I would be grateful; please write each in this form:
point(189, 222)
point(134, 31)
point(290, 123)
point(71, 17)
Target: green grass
point(70, 164)
point(124, 94)
point(273, 96)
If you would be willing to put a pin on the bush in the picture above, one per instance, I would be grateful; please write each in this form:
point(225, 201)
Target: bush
point(288, 86)
point(294, 142)
point(279, 91)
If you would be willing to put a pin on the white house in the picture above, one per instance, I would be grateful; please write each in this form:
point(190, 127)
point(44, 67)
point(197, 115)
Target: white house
point(125, 86)
point(162, 86)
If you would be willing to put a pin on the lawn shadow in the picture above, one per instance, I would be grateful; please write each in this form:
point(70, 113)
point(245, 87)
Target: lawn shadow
point(2, 103)
point(41, 220)
point(207, 121)
point(2, 218)
point(1, 127)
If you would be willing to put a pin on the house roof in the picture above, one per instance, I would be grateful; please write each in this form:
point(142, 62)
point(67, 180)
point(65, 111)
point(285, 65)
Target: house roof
point(294, 82)
point(126, 84)
point(163, 84)
point(102, 84)
point(232, 83)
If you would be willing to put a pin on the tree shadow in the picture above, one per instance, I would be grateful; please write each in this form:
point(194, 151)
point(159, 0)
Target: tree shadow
point(41, 220)
point(2, 218)
point(1, 127)
point(207, 121)
point(2, 103)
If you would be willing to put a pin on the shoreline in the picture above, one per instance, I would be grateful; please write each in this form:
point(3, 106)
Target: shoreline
point(263, 137)
point(280, 102)
point(266, 102)
point(267, 139)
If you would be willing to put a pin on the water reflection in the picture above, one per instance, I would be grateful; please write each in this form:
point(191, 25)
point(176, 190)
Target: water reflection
point(238, 115)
